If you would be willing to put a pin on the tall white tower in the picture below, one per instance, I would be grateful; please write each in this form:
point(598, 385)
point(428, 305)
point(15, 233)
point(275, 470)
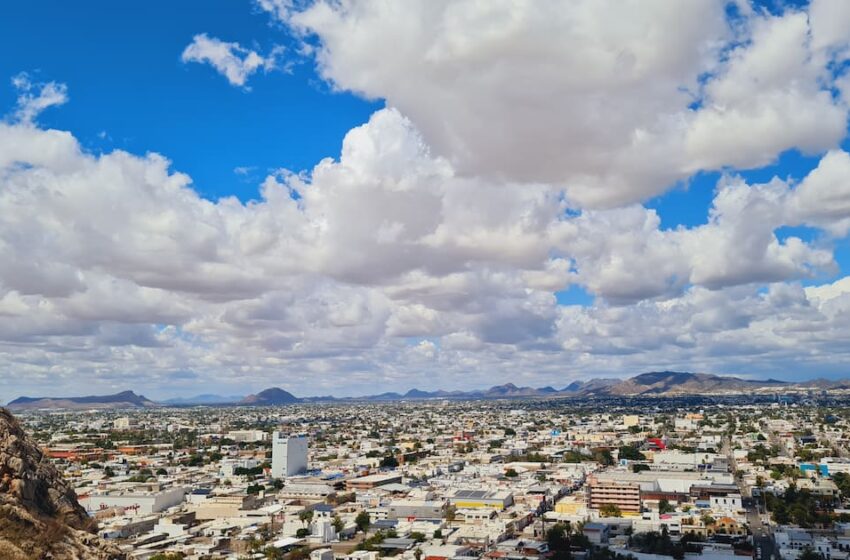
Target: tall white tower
point(289, 455)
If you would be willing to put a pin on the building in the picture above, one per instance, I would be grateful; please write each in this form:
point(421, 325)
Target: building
point(225, 506)
point(141, 499)
point(624, 495)
point(473, 499)
point(596, 533)
point(372, 481)
point(123, 423)
point(247, 436)
point(630, 420)
point(228, 467)
point(415, 509)
point(289, 455)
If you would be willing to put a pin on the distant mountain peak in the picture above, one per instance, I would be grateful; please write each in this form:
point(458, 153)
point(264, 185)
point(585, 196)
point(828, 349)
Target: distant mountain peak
point(270, 397)
point(124, 399)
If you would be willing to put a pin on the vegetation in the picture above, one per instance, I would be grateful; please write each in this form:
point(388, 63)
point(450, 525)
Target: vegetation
point(800, 507)
point(610, 510)
point(631, 453)
point(362, 521)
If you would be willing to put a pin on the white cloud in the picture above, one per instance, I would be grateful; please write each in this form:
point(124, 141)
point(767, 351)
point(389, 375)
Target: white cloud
point(33, 98)
point(630, 98)
point(507, 167)
point(116, 264)
point(231, 60)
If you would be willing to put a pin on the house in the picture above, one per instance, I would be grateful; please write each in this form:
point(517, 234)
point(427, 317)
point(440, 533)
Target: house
point(597, 533)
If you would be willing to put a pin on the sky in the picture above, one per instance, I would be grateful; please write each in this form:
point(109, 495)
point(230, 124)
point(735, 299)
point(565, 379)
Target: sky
point(355, 196)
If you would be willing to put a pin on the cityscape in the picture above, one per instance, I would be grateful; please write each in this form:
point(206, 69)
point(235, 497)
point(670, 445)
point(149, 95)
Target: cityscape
point(425, 280)
point(710, 477)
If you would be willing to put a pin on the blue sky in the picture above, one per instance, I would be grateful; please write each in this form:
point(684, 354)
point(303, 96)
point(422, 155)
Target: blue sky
point(121, 63)
point(433, 248)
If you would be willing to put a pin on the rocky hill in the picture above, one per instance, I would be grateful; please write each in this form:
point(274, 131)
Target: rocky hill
point(40, 517)
point(677, 383)
point(270, 397)
point(124, 399)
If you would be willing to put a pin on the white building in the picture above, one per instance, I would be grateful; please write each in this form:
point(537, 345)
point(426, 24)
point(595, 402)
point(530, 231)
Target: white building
point(138, 502)
point(289, 455)
point(247, 436)
point(228, 467)
point(123, 423)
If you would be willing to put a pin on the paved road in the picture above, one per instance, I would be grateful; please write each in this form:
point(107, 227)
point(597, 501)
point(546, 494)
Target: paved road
point(762, 535)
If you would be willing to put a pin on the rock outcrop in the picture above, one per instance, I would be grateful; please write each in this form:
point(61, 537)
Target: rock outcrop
point(40, 517)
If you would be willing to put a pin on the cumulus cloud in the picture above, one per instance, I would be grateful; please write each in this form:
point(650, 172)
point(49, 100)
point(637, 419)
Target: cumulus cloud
point(231, 60)
point(630, 98)
point(506, 168)
point(114, 263)
point(35, 97)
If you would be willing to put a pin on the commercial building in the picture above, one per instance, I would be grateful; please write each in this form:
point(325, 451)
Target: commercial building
point(289, 455)
point(372, 481)
point(247, 436)
point(415, 509)
point(472, 499)
point(624, 495)
point(142, 499)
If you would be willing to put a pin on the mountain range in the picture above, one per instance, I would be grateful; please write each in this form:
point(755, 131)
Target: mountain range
point(124, 399)
point(657, 383)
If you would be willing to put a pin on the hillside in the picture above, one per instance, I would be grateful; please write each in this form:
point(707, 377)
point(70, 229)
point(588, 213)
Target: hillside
point(39, 513)
point(124, 399)
point(677, 382)
point(270, 397)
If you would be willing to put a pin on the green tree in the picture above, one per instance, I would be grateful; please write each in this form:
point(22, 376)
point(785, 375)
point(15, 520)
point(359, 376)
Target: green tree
point(306, 516)
point(809, 554)
point(631, 453)
point(559, 540)
point(362, 521)
point(610, 510)
point(389, 462)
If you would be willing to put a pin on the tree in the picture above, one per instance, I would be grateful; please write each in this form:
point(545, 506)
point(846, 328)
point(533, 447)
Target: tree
point(511, 473)
point(438, 534)
point(272, 553)
point(809, 554)
point(665, 507)
point(306, 516)
point(451, 512)
point(338, 524)
point(362, 521)
point(610, 510)
point(302, 533)
point(631, 453)
point(558, 539)
point(389, 462)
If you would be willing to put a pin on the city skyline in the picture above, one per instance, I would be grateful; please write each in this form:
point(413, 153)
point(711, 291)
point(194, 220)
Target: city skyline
point(265, 195)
